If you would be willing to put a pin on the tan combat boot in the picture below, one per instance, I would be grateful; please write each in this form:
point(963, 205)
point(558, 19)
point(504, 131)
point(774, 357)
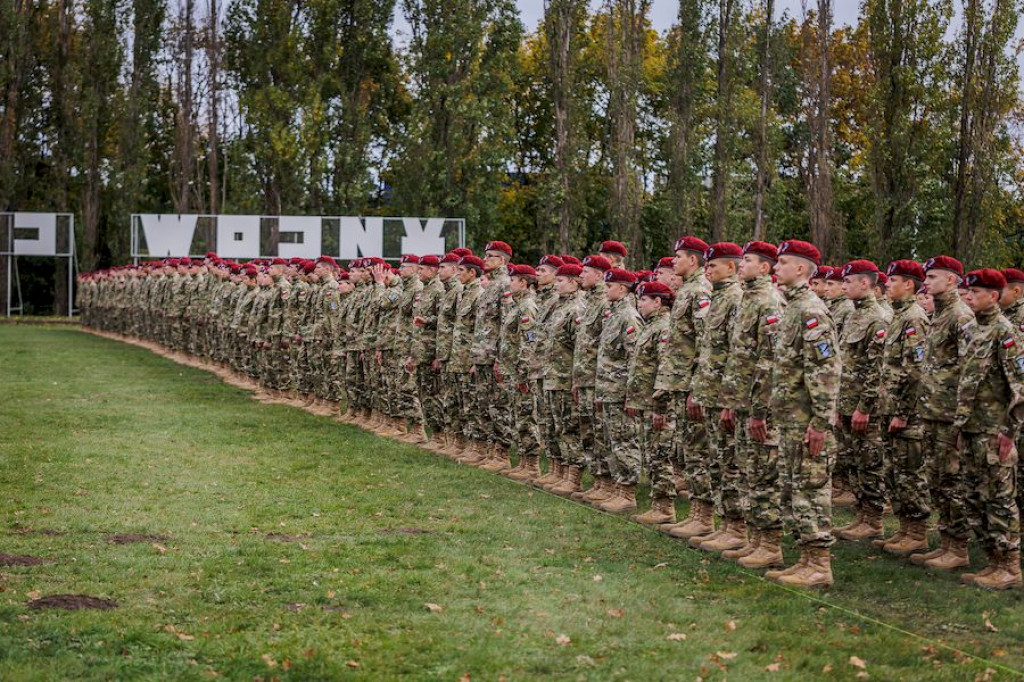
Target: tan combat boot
point(499, 460)
point(843, 497)
point(768, 552)
point(955, 557)
point(993, 564)
point(713, 534)
point(679, 481)
point(603, 489)
point(663, 510)
point(1006, 575)
point(943, 547)
point(914, 539)
point(816, 571)
point(702, 523)
point(570, 482)
point(748, 547)
point(733, 537)
point(870, 526)
point(553, 474)
point(798, 566)
point(896, 537)
point(529, 470)
point(691, 516)
point(624, 500)
point(596, 486)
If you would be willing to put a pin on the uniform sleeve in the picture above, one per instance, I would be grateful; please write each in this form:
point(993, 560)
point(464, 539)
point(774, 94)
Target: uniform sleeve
point(822, 369)
point(973, 371)
point(761, 376)
point(870, 384)
point(1012, 361)
point(905, 380)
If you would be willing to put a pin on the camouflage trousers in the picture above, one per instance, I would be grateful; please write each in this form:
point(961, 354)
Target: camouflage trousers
point(408, 404)
point(454, 387)
point(493, 419)
point(566, 424)
point(524, 405)
point(355, 380)
point(764, 483)
point(428, 386)
point(727, 469)
point(991, 493)
point(905, 477)
point(691, 447)
point(806, 496)
point(945, 479)
point(621, 436)
point(275, 369)
point(546, 423)
point(864, 456)
point(542, 416)
point(591, 439)
point(660, 453)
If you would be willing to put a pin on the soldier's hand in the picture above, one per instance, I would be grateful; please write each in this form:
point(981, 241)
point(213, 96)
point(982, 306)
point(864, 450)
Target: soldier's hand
point(693, 409)
point(297, 339)
point(575, 396)
point(497, 374)
point(379, 357)
point(631, 412)
point(728, 419)
point(859, 421)
point(437, 365)
point(837, 421)
point(598, 407)
point(1007, 448)
point(815, 440)
point(897, 424)
point(472, 371)
point(658, 421)
point(285, 344)
point(267, 345)
point(758, 429)
point(410, 365)
point(418, 321)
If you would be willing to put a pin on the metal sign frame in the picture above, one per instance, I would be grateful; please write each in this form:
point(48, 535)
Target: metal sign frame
point(12, 256)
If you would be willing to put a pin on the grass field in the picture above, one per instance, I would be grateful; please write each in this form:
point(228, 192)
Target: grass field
point(287, 546)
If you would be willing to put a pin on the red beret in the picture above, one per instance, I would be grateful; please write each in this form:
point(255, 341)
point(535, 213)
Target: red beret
point(860, 266)
point(571, 260)
point(212, 255)
point(613, 247)
point(185, 261)
point(655, 289)
point(342, 275)
point(906, 268)
point(619, 276)
point(462, 251)
point(835, 275)
point(553, 261)
point(430, 261)
point(666, 262)
point(327, 259)
point(308, 266)
point(279, 261)
point(521, 271)
point(569, 270)
point(355, 263)
point(883, 279)
point(691, 244)
point(763, 249)
point(251, 270)
point(451, 257)
point(409, 259)
point(471, 262)
point(795, 247)
point(1013, 276)
point(499, 246)
point(598, 262)
point(644, 275)
point(373, 260)
point(723, 250)
point(986, 278)
point(945, 263)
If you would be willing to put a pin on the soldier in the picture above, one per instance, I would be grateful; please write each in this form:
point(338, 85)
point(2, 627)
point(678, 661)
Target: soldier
point(620, 329)
point(654, 303)
point(746, 389)
point(1012, 303)
point(423, 349)
point(448, 394)
point(839, 306)
point(678, 442)
point(861, 346)
point(819, 280)
point(547, 298)
point(902, 361)
point(665, 272)
point(470, 269)
point(805, 388)
point(945, 350)
point(408, 410)
point(705, 403)
point(989, 415)
point(615, 252)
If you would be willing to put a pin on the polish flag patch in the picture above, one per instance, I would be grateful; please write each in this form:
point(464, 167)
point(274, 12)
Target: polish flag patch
point(1009, 342)
point(771, 319)
point(911, 331)
point(880, 334)
point(630, 330)
point(524, 320)
point(811, 323)
point(703, 303)
point(507, 294)
point(579, 320)
point(607, 313)
point(664, 338)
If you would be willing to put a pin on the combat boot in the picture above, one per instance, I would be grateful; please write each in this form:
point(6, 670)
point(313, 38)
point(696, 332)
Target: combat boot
point(768, 552)
point(602, 489)
point(517, 469)
point(554, 467)
point(663, 510)
point(1006, 575)
point(896, 537)
point(623, 501)
point(691, 516)
point(712, 534)
point(815, 572)
point(993, 564)
point(798, 566)
point(749, 547)
point(702, 523)
point(733, 536)
point(843, 497)
point(528, 468)
point(679, 481)
point(914, 539)
point(570, 482)
point(955, 557)
point(870, 526)
point(498, 460)
point(943, 547)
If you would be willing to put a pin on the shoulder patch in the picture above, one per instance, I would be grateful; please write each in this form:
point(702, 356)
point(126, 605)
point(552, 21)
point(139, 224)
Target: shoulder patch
point(507, 294)
point(823, 350)
point(811, 323)
point(919, 354)
point(880, 334)
point(579, 320)
point(607, 313)
point(1009, 342)
point(630, 329)
point(703, 303)
point(771, 319)
point(911, 331)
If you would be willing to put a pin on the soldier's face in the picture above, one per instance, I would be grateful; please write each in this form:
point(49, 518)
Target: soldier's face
point(648, 305)
point(493, 260)
point(979, 299)
point(614, 258)
point(857, 286)
point(818, 286)
point(939, 281)
point(752, 267)
point(790, 269)
point(720, 269)
point(666, 276)
point(466, 275)
point(926, 301)
point(518, 285)
point(899, 288)
point(546, 275)
point(1011, 294)
point(616, 292)
point(566, 285)
point(833, 289)
point(590, 277)
point(446, 272)
point(345, 287)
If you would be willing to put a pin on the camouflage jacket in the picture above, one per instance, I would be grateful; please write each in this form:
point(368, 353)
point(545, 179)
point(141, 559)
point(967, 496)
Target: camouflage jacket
point(990, 395)
point(686, 323)
point(446, 318)
point(352, 325)
point(713, 353)
point(546, 298)
point(298, 321)
point(746, 381)
point(588, 335)
point(1015, 314)
point(619, 334)
point(944, 350)
point(281, 294)
point(426, 303)
point(651, 344)
point(887, 310)
point(840, 309)
point(518, 336)
point(463, 327)
point(560, 341)
point(328, 327)
point(805, 376)
point(487, 326)
point(861, 346)
point(903, 359)
point(404, 331)
point(384, 325)
point(257, 327)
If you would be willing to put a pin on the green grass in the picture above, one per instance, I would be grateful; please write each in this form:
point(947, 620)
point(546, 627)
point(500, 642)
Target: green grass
point(98, 438)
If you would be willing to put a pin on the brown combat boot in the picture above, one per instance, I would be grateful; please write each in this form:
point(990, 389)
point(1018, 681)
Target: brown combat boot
point(896, 537)
point(843, 497)
point(702, 523)
point(691, 516)
point(943, 547)
point(663, 510)
point(529, 470)
point(712, 534)
point(624, 500)
point(768, 552)
point(993, 564)
point(603, 488)
point(733, 537)
point(553, 474)
point(955, 557)
point(869, 526)
point(815, 572)
point(499, 460)
point(679, 481)
point(748, 547)
point(1005, 576)
point(798, 566)
point(570, 482)
point(915, 538)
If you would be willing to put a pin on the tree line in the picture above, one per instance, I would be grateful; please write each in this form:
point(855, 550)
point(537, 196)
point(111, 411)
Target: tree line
point(898, 136)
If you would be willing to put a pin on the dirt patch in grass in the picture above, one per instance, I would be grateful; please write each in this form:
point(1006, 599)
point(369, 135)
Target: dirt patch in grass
point(128, 538)
point(72, 602)
point(406, 531)
point(286, 537)
point(22, 560)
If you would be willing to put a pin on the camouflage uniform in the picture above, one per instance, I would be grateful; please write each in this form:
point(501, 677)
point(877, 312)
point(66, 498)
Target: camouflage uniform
point(459, 364)
point(423, 351)
point(408, 401)
point(840, 308)
point(805, 387)
point(584, 369)
point(644, 361)
point(546, 298)
point(519, 336)
point(621, 436)
point(1015, 314)
point(559, 343)
point(492, 420)
point(449, 393)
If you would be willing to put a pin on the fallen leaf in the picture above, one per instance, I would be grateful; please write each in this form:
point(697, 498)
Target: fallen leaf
point(331, 594)
point(772, 667)
point(730, 626)
point(598, 578)
point(616, 613)
point(465, 678)
point(286, 664)
point(661, 565)
point(990, 627)
point(827, 668)
point(726, 655)
point(858, 662)
point(269, 660)
point(862, 675)
point(563, 640)
point(434, 608)
point(353, 664)
point(185, 638)
point(160, 548)
point(583, 659)
point(34, 594)
point(676, 637)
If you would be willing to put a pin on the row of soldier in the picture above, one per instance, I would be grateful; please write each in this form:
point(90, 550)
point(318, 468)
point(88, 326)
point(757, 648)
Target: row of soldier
point(749, 379)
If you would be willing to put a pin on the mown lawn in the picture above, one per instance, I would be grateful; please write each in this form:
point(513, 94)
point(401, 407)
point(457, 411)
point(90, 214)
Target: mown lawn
point(287, 546)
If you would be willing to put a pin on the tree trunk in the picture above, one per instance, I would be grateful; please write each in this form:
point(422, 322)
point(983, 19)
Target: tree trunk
point(213, 157)
point(761, 181)
point(825, 233)
point(723, 116)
